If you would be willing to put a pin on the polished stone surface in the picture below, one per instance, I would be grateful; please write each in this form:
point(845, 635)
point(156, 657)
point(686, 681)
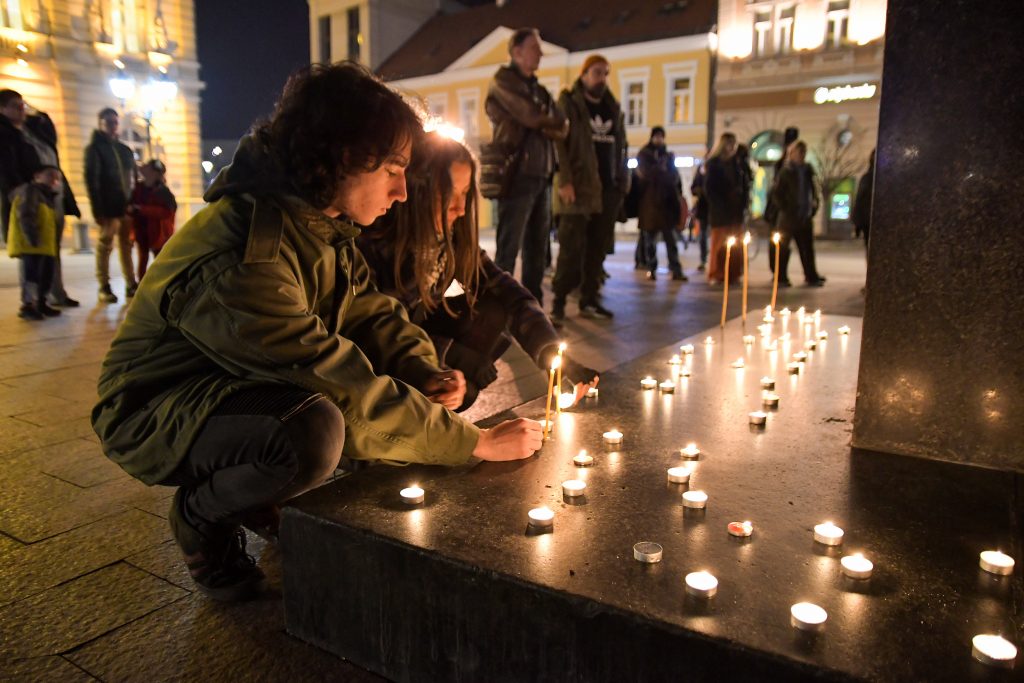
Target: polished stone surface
point(942, 371)
point(458, 588)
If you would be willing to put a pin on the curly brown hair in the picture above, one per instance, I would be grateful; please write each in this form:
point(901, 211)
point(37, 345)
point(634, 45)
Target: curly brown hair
point(331, 122)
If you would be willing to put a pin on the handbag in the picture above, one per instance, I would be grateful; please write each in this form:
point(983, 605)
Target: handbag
point(497, 168)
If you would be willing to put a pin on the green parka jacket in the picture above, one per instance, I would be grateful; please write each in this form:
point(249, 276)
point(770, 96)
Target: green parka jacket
point(577, 158)
point(260, 288)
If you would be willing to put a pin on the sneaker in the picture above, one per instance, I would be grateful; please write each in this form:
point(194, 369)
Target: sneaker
point(558, 311)
point(820, 282)
point(678, 276)
point(129, 291)
point(106, 296)
point(47, 310)
point(218, 564)
point(785, 283)
point(595, 312)
point(29, 312)
point(68, 302)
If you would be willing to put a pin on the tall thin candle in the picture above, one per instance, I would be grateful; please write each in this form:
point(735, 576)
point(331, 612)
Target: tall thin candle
point(555, 364)
point(746, 267)
point(558, 378)
point(775, 281)
point(725, 295)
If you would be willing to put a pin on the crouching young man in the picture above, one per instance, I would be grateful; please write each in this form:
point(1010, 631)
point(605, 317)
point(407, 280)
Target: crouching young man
point(257, 352)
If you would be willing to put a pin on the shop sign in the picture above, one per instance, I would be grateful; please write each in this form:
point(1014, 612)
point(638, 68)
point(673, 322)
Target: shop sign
point(844, 92)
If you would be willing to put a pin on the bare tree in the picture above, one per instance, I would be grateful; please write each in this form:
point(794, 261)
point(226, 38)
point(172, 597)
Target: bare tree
point(837, 156)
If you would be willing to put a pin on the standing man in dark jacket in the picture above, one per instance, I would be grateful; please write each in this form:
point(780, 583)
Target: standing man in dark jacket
point(525, 121)
point(110, 175)
point(862, 202)
point(591, 184)
point(42, 135)
point(661, 205)
point(700, 212)
point(796, 194)
point(18, 159)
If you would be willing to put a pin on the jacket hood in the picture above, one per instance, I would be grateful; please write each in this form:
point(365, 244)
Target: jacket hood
point(252, 170)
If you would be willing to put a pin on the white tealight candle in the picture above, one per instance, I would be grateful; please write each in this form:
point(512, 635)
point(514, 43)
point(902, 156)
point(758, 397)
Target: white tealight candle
point(996, 562)
point(993, 650)
point(701, 584)
point(592, 392)
point(817, 314)
point(683, 372)
point(807, 616)
point(613, 437)
point(773, 346)
point(795, 367)
point(573, 487)
point(823, 335)
point(679, 475)
point(810, 344)
point(740, 529)
point(667, 387)
point(844, 330)
point(583, 460)
point(784, 338)
point(695, 499)
point(785, 312)
point(808, 321)
point(770, 399)
point(541, 517)
point(828, 533)
point(674, 360)
point(708, 341)
point(749, 339)
point(412, 495)
point(857, 566)
point(800, 356)
point(686, 349)
point(647, 552)
point(566, 400)
point(765, 330)
point(690, 451)
point(758, 418)
point(739, 364)
point(648, 383)
point(767, 382)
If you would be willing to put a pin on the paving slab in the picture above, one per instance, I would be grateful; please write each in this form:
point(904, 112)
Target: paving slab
point(81, 610)
point(43, 669)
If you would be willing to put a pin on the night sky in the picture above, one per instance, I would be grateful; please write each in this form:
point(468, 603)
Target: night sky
point(245, 56)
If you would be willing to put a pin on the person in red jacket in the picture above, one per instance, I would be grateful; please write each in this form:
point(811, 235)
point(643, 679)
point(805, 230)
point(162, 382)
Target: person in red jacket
point(426, 254)
point(152, 210)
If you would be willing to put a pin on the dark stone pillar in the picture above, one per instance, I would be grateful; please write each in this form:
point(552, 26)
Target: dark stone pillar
point(942, 363)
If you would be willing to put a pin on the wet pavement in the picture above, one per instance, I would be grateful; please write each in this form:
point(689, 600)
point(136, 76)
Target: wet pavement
point(91, 586)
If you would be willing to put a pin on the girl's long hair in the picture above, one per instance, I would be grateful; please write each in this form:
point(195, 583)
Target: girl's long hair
point(412, 230)
point(725, 140)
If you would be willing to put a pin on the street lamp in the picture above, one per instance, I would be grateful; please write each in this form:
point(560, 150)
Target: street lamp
point(156, 93)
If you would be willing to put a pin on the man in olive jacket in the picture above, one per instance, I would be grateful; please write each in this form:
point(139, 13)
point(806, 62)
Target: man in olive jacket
point(591, 184)
point(109, 176)
point(525, 120)
point(257, 350)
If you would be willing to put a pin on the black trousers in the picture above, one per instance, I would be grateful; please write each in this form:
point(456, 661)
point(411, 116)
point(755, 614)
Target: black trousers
point(582, 247)
point(804, 238)
point(37, 276)
point(260, 447)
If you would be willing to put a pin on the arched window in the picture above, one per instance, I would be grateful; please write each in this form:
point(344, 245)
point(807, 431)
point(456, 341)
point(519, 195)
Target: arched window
point(765, 149)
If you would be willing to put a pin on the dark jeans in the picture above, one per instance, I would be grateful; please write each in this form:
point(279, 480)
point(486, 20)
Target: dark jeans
point(804, 238)
point(523, 219)
point(649, 252)
point(37, 276)
point(582, 247)
point(260, 447)
point(702, 239)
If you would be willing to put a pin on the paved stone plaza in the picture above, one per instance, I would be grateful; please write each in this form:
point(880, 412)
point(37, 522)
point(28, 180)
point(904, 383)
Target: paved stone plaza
point(91, 586)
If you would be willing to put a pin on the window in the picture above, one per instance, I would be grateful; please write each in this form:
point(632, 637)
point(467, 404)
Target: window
point(355, 35)
point(635, 104)
point(324, 38)
point(762, 27)
point(784, 30)
point(680, 80)
point(469, 112)
point(438, 104)
point(10, 14)
point(682, 99)
point(838, 22)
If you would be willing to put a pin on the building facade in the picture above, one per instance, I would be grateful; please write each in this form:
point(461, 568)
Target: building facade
point(365, 31)
point(815, 65)
point(72, 58)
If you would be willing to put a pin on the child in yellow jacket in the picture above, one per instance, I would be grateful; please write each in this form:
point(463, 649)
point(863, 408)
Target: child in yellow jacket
point(32, 237)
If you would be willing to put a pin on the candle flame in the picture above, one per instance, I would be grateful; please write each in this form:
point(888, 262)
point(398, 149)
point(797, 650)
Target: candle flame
point(561, 348)
point(746, 238)
point(556, 363)
point(730, 242)
point(776, 237)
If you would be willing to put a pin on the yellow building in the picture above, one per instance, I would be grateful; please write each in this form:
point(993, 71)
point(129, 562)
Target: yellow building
point(72, 58)
point(660, 57)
